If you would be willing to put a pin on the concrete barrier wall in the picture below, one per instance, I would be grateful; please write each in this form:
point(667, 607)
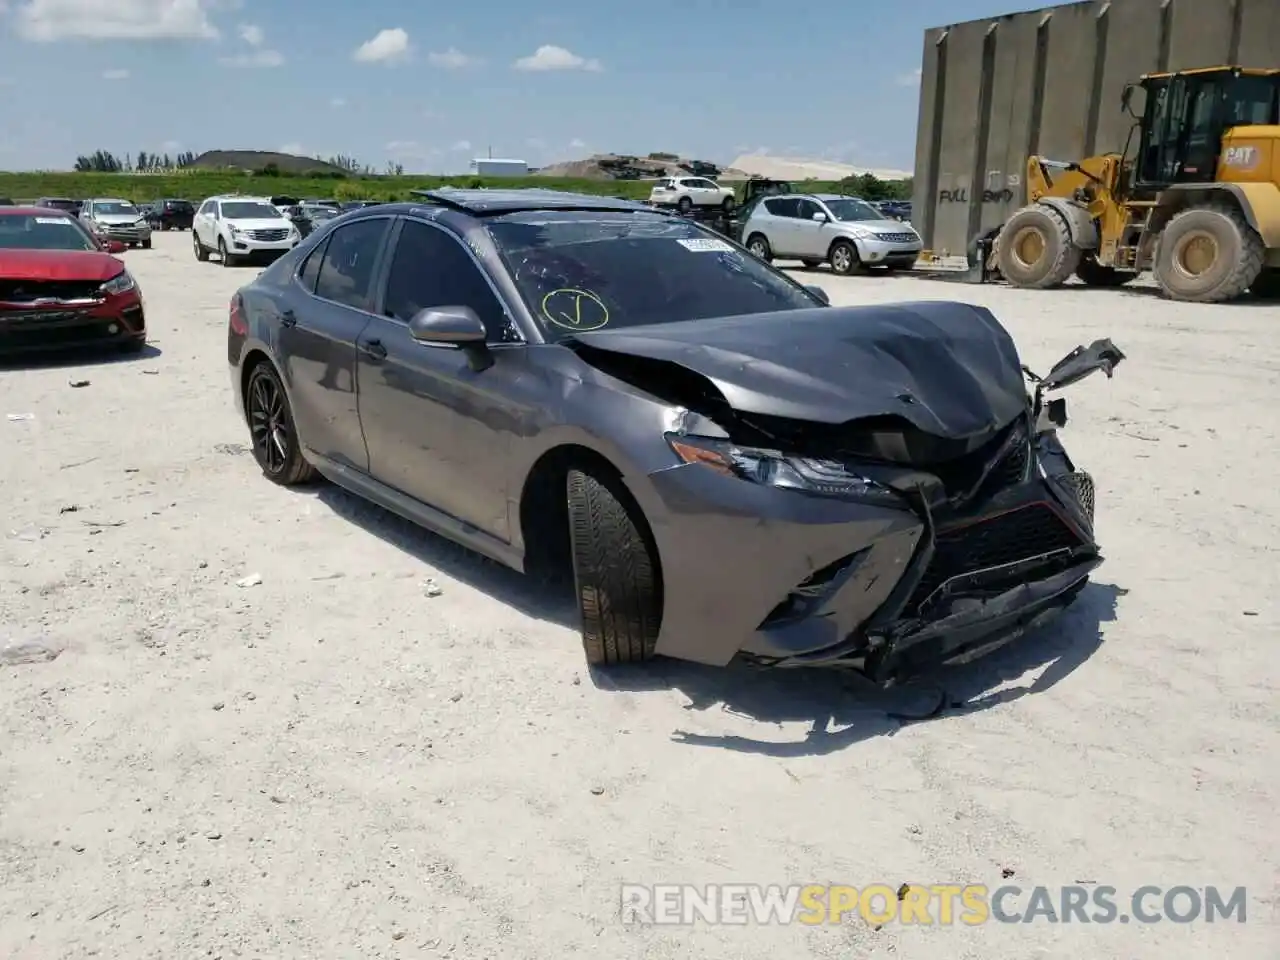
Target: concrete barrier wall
point(1049, 82)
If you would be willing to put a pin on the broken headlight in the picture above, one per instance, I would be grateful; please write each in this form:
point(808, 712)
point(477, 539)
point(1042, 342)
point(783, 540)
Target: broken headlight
point(828, 478)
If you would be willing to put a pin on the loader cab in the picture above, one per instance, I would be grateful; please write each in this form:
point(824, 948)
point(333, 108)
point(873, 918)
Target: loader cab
point(1186, 115)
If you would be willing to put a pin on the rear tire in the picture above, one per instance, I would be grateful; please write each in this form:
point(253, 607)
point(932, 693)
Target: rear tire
point(1034, 249)
point(684, 204)
point(270, 420)
point(758, 246)
point(1093, 274)
point(615, 572)
point(728, 204)
point(202, 252)
point(1208, 255)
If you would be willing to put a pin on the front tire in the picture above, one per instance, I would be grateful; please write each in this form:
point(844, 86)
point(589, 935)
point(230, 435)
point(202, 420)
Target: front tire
point(1034, 249)
point(1208, 255)
point(276, 445)
point(844, 258)
point(226, 258)
point(728, 204)
point(615, 574)
point(146, 244)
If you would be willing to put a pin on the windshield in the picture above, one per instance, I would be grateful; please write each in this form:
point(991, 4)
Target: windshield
point(21, 232)
point(247, 210)
point(578, 274)
point(115, 208)
point(853, 210)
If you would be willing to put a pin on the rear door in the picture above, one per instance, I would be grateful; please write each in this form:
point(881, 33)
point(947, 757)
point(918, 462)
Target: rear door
point(334, 289)
point(438, 430)
point(781, 224)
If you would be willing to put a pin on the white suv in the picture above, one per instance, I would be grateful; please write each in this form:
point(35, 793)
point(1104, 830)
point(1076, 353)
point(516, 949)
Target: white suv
point(238, 228)
point(685, 193)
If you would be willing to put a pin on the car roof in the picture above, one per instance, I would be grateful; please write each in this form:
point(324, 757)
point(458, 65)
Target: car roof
point(108, 200)
point(487, 202)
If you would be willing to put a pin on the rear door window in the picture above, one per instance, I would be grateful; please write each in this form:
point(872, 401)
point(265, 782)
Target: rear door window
point(346, 271)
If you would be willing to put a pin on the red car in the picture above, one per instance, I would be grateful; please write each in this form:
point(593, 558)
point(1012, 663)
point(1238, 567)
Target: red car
point(61, 287)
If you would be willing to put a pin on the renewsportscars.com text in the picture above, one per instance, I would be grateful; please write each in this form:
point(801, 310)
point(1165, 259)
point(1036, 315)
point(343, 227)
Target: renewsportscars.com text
point(928, 905)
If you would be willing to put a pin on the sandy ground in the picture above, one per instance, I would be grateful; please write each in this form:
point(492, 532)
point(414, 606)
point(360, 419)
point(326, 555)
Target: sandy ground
point(334, 764)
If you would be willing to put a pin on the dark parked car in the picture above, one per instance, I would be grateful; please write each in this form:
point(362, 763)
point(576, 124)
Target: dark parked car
point(171, 214)
point(729, 465)
point(60, 286)
point(6, 202)
point(65, 204)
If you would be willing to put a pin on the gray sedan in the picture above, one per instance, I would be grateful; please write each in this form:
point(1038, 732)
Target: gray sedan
point(729, 466)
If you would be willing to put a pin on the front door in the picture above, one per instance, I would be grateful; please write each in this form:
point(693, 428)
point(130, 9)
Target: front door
point(812, 237)
point(436, 429)
point(318, 340)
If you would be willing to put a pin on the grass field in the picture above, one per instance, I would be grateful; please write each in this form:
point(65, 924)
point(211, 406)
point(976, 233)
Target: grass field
point(197, 185)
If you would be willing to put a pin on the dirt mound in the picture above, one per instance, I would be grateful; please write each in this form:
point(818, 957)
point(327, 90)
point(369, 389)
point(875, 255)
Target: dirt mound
point(614, 166)
point(286, 163)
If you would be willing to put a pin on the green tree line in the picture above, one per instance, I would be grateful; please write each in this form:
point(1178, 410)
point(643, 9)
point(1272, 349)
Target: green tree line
point(104, 161)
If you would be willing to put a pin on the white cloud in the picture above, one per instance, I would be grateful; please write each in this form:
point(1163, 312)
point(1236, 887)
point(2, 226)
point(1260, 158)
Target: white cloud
point(577, 144)
point(293, 148)
point(911, 79)
point(171, 146)
point(48, 21)
point(403, 146)
point(115, 74)
point(258, 59)
point(252, 35)
point(461, 146)
point(451, 59)
point(389, 46)
point(550, 57)
point(337, 103)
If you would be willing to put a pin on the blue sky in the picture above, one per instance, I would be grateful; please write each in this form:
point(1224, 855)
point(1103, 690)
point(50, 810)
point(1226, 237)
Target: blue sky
point(432, 85)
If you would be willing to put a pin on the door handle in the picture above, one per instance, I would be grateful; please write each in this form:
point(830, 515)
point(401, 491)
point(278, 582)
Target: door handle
point(288, 319)
point(373, 349)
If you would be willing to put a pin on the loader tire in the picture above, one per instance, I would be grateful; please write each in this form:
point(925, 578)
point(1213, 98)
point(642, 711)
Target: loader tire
point(1208, 254)
point(616, 573)
point(1094, 274)
point(1034, 249)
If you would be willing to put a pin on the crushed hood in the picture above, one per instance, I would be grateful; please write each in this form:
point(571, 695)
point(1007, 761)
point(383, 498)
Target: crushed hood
point(949, 369)
point(57, 265)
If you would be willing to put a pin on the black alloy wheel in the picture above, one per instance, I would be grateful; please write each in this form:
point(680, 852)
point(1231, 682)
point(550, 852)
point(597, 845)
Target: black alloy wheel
point(271, 428)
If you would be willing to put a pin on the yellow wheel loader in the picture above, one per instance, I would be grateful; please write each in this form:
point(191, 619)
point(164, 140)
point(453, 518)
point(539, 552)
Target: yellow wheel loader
point(1197, 204)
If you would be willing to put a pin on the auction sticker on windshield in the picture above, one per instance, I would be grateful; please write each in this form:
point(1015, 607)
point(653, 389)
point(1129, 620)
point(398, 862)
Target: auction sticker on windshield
point(706, 245)
point(52, 220)
point(580, 311)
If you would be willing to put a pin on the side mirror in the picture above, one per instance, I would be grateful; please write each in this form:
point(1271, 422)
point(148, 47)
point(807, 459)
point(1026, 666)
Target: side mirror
point(455, 326)
point(1126, 100)
point(115, 246)
point(818, 292)
point(820, 217)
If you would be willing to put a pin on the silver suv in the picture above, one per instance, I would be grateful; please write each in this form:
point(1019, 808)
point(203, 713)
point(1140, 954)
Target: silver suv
point(111, 218)
point(846, 232)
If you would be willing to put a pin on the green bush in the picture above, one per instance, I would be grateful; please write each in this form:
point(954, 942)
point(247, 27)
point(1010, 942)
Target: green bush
point(198, 184)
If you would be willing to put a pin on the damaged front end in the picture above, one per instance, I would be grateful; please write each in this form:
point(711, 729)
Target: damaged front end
point(1006, 542)
point(908, 504)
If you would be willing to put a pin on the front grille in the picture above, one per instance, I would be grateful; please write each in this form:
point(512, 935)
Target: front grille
point(267, 236)
point(32, 336)
point(1021, 534)
point(31, 291)
point(897, 237)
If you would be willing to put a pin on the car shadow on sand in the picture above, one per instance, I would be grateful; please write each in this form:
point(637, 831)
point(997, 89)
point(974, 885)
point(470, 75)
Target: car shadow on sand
point(842, 709)
point(839, 708)
point(77, 357)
